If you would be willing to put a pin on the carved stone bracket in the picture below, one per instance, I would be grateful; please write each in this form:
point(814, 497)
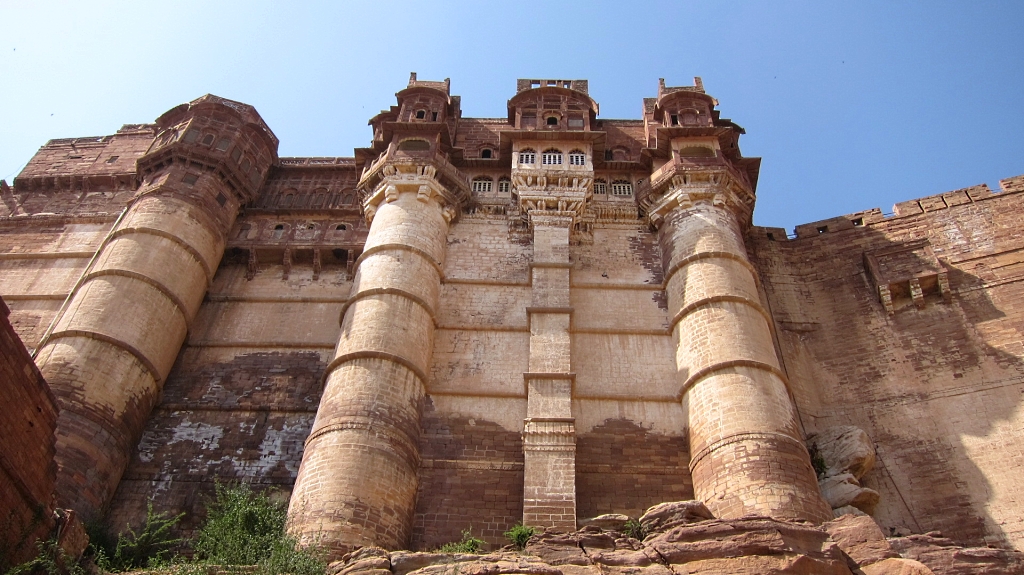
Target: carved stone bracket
point(717, 187)
point(418, 178)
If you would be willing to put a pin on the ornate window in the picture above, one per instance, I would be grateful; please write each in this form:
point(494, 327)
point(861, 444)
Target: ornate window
point(600, 187)
point(504, 185)
point(577, 158)
point(527, 157)
point(622, 188)
point(551, 158)
point(482, 184)
point(414, 145)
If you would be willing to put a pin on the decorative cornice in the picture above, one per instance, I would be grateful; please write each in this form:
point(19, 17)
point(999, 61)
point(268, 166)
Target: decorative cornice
point(716, 186)
point(419, 178)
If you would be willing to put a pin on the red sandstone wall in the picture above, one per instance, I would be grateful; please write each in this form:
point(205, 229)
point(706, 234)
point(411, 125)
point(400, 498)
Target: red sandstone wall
point(938, 388)
point(27, 445)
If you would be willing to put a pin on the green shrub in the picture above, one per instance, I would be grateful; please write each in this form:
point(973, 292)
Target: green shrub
point(247, 528)
point(469, 544)
point(817, 461)
point(634, 529)
point(519, 534)
point(51, 560)
point(241, 527)
point(150, 547)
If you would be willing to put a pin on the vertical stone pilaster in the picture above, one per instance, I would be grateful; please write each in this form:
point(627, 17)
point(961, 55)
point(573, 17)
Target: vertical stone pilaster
point(357, 482)
point(549, 434)
point(747, 452)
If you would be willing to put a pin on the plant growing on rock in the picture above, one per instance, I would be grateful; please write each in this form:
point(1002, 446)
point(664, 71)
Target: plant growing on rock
point(469, 544)
point(519, 534)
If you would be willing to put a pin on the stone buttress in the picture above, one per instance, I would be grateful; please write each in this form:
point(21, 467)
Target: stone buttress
point(357, 482)
point(110, 351)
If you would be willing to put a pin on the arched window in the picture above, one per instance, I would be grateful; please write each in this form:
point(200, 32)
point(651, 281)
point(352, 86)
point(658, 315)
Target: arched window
point(286, 201)
point(482, 184)
point(622, 188)
point(504, 185)
point(340, 227)
point(600, 187)
point(414, 145)
point(551, 158)
point(486, 153)
point(347, 199)
point(577, 158)
point(208, 139)
point(620, 154)
point(527, 157)
point(552, 121)
point(421, 114)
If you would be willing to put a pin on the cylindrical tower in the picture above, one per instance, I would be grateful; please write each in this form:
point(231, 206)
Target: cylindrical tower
point(747, 453)
point(357, 482)
point(116, 341)
point(746, 447)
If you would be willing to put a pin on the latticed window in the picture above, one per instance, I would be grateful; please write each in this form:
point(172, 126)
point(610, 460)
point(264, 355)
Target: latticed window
point(622, 188)
point(577, 158)
point(600, 187)
point(551, 158)
point(527, 157)
point(482, 185)
point(504, 185)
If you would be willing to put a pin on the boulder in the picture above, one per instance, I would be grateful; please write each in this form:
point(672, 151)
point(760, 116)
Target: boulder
point(665, 516)
point(362, 561)
point(944, 557)
point(610, 521)
point(847, 510)
point(897, 567)
point(557, 549)
point(749, 545)
point(844, 490)
point(860, 538)
point(845, 449)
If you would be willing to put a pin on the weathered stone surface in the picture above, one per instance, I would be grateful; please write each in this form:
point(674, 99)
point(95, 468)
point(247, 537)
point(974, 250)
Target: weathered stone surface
point(762, 543)
point(897, 567)
point(557, 549)
point(844, 490)
point(860, 538)
point(845, 449)
point(610, 521)
point(945, 557)
point(665, 516)
point(848, 510)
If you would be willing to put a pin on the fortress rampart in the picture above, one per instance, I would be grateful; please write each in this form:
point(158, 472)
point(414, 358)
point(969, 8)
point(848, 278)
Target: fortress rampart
point(475, 322)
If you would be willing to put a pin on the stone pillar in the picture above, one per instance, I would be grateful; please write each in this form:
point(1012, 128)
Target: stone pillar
point(357, 482)
point(747, 453)
point(549, 435)
point(112, 348)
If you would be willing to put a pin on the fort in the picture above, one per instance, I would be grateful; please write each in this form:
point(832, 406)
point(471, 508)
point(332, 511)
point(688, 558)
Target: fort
point(474, 322)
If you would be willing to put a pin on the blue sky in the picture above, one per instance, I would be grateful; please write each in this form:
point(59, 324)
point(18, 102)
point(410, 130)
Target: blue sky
point(850, 105)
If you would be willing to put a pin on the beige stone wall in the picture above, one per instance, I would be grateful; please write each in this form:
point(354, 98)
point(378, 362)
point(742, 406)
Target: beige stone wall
point(938, 388)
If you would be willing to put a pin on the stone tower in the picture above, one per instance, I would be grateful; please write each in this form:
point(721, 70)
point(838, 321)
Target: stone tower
point(746, 447)
point(114, 344)
point(358, 480)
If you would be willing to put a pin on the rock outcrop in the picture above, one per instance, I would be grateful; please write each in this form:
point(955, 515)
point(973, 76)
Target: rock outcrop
point(846, 454)
point(683, 538)
point(945, 557)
